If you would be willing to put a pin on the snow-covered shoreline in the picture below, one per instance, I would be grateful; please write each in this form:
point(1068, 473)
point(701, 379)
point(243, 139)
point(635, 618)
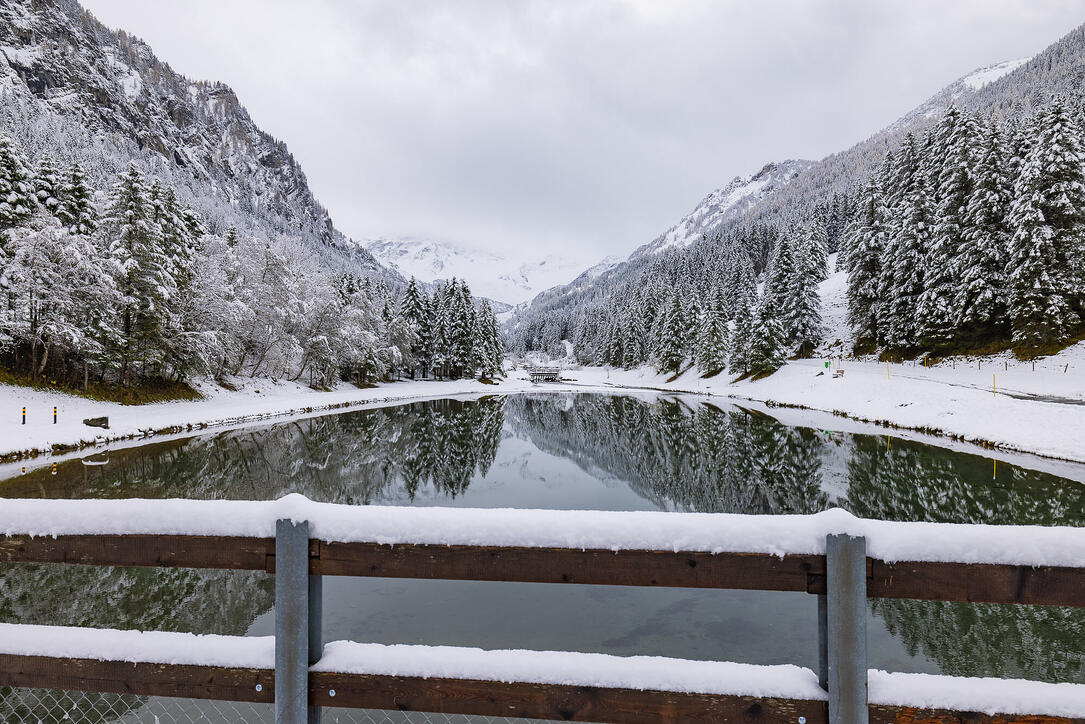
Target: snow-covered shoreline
point(1039, 412)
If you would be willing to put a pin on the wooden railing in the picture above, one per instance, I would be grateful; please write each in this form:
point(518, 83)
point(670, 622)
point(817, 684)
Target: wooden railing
point(937, 581)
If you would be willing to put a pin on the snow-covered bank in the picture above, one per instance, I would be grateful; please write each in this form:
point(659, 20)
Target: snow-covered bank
point(996, 401)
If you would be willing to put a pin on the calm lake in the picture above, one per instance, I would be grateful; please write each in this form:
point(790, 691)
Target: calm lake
point(566, 451)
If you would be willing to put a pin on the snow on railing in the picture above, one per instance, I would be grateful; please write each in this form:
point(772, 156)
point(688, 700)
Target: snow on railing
point(777, 535)
point(987, 695)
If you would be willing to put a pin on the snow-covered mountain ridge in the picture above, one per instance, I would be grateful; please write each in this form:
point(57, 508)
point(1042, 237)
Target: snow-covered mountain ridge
point(489, 274)
point(62, 70)
point(725, 204)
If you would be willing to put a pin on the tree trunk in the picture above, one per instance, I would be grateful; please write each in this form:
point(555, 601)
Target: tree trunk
point(86, 373)
point(44, 360)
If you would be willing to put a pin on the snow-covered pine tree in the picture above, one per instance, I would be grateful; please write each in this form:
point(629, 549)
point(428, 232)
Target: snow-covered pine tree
point(16, 193)
point(712, 340)
point(981, 266)
point(427, 331)
point(691, 323)
point(461, 329)
point(1048, 219)
point(950, 173)
point(488, 348)
point(76, 208)
point(803, 311)
point(739, 359)
point(441, 355)
point(47, 185)
point(781, 269)
point(903, 268)
point(669, 349)
point(767, 343)
point(818, 250)
point(140, 268)
point(865, 248)
point(412, 310)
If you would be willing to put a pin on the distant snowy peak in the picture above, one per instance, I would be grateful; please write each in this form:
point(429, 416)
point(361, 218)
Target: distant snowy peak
point(934, 106)
point(488, 274)
point(725, 204)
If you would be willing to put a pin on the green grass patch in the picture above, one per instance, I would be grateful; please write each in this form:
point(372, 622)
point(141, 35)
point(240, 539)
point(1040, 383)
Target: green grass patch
point(153, 390)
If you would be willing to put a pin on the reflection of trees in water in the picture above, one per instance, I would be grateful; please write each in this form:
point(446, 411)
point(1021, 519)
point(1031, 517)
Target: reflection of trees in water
point(1031, 642)
point(912, 481)
point(735, 461)
point(704, 459)
point(354, 458)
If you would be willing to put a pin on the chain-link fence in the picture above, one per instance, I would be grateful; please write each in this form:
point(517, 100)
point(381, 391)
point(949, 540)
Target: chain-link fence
point(49, 706)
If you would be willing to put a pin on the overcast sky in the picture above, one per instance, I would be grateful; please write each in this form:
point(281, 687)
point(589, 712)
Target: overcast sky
point(581, 127)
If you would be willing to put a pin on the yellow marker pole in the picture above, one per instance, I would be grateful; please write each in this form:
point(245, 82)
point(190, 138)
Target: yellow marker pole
point(994, 473)
point(887, 369)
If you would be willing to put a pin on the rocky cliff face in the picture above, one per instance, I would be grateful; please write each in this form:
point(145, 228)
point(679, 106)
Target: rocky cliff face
point(55, 57)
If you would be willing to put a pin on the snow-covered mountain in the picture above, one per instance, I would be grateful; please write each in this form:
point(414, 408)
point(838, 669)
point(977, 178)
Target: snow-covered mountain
point(77, 90)
point(489, 274)
point(725, 204)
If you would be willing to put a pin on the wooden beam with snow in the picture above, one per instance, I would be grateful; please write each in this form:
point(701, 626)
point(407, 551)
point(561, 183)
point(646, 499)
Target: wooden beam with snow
point(934, 581)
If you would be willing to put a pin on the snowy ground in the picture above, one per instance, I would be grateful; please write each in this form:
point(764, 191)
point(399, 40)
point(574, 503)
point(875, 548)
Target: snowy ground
point(1039, 411)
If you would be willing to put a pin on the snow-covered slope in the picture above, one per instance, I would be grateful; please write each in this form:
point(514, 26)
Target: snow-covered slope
point(489, 274)
point(724, 204)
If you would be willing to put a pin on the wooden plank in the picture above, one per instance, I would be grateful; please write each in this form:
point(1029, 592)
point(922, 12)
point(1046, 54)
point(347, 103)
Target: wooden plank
point(978, 583)
point(909, 715)
point(552, 701)
point(751, 571)
point(121, 677)
point(455, 696)
point(171, 551)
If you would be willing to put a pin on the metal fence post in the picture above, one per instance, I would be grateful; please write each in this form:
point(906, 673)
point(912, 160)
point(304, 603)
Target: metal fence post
point(823, 641)
point(297, 623)
point(846, 645)
point(316, 633)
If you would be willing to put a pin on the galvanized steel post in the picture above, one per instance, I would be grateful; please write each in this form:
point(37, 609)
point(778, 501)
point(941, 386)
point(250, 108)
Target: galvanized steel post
point(846, 645)
point(297, 623)
point(823, 641)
